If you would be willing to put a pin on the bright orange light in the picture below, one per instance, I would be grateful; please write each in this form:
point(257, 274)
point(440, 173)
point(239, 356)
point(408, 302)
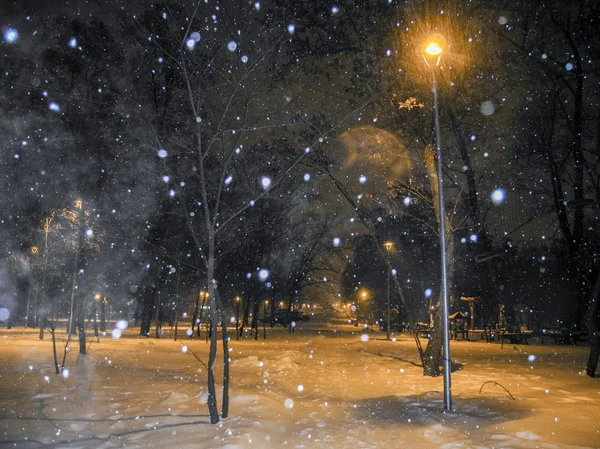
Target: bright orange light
point(433, 49)
point(388, 246)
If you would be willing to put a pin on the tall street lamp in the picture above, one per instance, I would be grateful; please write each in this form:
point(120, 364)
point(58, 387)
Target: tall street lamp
point(432, 56)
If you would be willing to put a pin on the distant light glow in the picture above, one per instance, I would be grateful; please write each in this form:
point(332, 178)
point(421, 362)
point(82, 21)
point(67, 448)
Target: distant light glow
point(73, 42)
point(336, 241)
point(228, 180)
point(65, 373)
point(307, 176)
point(257, 6)
point(362, 179)
point(364, 338)
point(116, 333)
point(335, 10)
point(162, 153)
point(473, 238)
point(54, 106)
point(166, 179)
point(11, 35)
point(502, 20)
point(244, 59)
point(291, 28)
point(498, 196)
point(263, 274)
point(89, 233)
point(195, 36)
point(171, 193)
point(122, 324)
point(407, 201)
point(289, 404)
point(531, 358)
point(190, 43)
point(428, 292)
point(232, 46)
point(569, 66)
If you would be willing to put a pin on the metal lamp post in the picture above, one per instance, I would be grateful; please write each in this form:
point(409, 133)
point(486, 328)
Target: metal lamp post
point(433, 54)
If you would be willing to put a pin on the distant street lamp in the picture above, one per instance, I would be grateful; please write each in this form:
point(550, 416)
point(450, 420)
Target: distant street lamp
point(237, 317)
point(432, 56)
point(389, 246)
point(265, 319)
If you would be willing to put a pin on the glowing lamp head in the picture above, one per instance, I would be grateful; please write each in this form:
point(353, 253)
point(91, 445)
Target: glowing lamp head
point(433, 49)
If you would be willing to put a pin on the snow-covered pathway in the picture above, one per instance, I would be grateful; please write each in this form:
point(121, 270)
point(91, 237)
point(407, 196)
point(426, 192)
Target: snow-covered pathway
point(324, 388)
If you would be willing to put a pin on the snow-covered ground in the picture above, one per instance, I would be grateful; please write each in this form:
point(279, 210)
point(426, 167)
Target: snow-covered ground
point(325, 386)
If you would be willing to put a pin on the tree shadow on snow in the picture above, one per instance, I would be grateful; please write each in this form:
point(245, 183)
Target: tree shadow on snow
point(428, 409)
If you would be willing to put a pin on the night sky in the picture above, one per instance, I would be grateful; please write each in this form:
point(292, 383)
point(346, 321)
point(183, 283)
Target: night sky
point(278, 135)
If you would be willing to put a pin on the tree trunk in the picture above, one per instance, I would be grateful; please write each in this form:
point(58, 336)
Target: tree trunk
point(593, 324)
point(225, 338)
point(212, 354)
point(81, 328)
point(433, 353)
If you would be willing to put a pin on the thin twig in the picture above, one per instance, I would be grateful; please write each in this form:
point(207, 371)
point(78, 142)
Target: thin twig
point(496, 383)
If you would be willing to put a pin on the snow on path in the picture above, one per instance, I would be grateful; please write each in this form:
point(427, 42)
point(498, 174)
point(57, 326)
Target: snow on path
point(312, 389)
